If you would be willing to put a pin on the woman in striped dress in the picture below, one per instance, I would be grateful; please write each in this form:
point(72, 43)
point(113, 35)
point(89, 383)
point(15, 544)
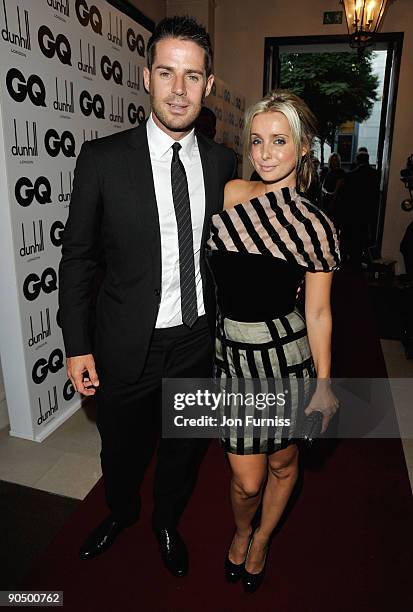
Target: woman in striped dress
point(265, 241)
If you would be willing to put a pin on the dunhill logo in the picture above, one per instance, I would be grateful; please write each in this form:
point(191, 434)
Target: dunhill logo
point(116, 117)
point(88, 105)
point(55, 144)
point(30, 148)
point(38, 242)
point(68, 105)
point(135, 83)
point(88, 67)
point(93, 135)
point(26, 192)
point(43, 366)
point(61, 6)
point(45, 326)
point(68, 390)
point(136, 114)
point(135, 42)
point(34, 284)
point(19, 89)
point(52, 408)
point(65, 196)
point(13, 38)
point(49, 45)
point(90, 15)
point(115, 38)
point(56, 233)
point(110, 70)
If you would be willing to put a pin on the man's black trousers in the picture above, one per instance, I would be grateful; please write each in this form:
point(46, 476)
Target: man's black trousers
point(129, 419)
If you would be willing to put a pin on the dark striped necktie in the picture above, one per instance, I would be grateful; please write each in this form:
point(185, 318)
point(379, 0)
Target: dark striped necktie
point(182, 207)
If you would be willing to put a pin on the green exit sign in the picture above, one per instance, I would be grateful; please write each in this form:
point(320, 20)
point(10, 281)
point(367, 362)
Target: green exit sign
point(333, 17)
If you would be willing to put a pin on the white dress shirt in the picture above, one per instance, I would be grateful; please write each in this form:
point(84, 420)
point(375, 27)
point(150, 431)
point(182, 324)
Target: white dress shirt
point(161, 157)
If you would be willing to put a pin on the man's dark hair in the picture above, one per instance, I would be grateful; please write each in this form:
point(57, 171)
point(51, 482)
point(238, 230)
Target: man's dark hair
point(362, 158)
point(206, 122)
point(185, 28)
point(209, 114)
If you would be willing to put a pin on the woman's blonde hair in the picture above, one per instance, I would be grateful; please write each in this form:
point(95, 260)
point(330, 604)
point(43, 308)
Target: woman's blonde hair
point(302, 124)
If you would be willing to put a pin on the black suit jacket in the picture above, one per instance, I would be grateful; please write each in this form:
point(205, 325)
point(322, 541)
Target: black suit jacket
point(359, 197)
point(114, 215)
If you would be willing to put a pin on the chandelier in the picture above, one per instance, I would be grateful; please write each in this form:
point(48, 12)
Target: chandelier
point(363, 18)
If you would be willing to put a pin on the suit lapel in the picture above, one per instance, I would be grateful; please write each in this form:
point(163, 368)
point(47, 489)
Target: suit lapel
point(138, 161)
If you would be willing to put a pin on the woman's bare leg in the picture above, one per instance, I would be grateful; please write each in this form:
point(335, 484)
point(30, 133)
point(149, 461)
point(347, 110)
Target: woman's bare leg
point(248, 475)
point(282, 476)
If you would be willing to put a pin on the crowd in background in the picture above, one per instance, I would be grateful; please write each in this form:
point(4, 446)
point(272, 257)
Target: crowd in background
point(350, 199)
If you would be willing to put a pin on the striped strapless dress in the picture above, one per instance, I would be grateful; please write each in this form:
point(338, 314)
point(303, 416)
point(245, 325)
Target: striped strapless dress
point(259, 252)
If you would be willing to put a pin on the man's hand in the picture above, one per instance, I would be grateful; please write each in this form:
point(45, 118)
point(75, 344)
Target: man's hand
point(76, 367)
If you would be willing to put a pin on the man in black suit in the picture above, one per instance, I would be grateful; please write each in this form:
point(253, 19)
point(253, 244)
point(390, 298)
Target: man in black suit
point(141, 201)
point(357, 210)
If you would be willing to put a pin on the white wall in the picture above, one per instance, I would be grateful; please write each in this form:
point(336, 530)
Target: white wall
point(4, 417)
point(400, 18)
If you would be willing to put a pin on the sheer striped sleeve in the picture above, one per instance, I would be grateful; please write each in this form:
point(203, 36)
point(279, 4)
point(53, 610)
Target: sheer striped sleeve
point(320, 250)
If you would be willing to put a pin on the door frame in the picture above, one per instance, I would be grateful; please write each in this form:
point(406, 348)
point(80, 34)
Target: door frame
point(394, 42)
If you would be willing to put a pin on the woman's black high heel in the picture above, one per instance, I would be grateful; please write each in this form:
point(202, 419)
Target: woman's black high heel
point(234, 571)
point(251, 582)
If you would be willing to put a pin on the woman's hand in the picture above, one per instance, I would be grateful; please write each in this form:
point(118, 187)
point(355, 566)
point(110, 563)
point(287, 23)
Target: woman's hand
point(324, 401)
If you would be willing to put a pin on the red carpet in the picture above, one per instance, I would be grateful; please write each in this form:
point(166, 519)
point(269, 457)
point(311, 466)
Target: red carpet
point(347, 543)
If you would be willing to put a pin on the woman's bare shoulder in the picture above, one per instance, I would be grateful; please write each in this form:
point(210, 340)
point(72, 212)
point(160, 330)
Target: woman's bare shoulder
point(237, 191)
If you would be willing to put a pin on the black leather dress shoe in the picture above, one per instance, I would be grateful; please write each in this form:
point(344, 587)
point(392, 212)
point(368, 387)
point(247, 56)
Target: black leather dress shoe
point(101, 538)
point(173, 551)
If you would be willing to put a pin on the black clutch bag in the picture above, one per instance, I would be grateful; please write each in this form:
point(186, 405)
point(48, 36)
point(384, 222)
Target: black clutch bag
point(312, 426)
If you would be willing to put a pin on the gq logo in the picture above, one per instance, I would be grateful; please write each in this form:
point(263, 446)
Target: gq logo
point(88, 105)
point(49, 45)
point(56, 233)
point(19, 88)
point(90, 15)
point(136, 114)
point(33, 284)
point(68, 390)
point(55, 144)
point(135, 42)
point(43, 366)
point(26, 192)
point(110, 70)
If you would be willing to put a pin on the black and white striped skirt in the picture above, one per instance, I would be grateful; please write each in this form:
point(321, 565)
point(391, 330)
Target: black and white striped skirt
point(271, 358)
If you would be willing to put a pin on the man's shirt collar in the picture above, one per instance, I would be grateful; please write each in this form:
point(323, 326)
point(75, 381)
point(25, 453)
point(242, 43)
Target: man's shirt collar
point(160, 142)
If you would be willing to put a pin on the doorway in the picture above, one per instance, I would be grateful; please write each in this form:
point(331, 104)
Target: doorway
point(376, 133)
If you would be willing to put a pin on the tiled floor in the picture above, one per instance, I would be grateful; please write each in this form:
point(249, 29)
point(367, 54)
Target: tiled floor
point(67, 462)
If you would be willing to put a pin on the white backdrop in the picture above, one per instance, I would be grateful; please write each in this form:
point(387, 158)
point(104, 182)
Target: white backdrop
point(70, 71)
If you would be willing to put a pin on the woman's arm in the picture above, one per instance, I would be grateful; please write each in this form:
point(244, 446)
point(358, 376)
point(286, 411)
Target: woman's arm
point(319, 325)
point(318, 319)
